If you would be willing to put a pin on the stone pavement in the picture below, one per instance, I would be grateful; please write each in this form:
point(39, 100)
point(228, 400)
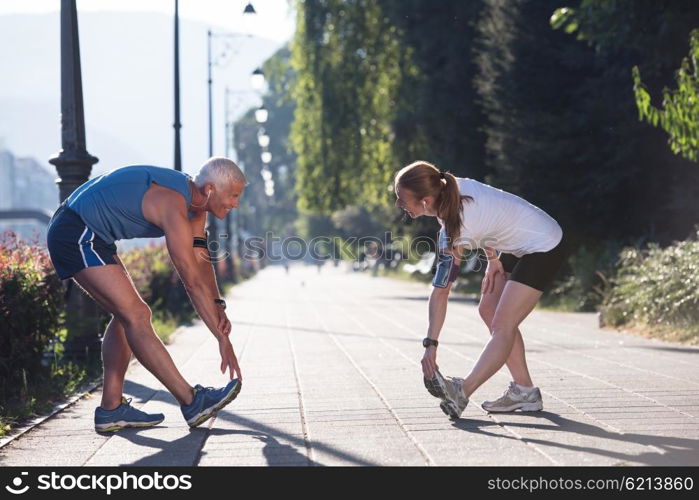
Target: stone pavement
point(331, 366)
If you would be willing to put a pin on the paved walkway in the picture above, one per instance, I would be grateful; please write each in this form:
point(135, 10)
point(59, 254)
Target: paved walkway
point(332, 377)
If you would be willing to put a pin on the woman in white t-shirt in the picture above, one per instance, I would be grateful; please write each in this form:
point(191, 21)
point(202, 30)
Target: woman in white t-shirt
point(476, 216)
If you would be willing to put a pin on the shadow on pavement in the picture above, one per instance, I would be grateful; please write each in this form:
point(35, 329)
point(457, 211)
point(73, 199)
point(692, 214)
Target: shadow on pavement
point(424, 298)
point(685, 350)
point(677, 451)
point(266, 430)
point(178, 452)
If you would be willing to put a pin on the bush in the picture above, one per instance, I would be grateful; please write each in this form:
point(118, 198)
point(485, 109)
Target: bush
point(31, 306)
point(657, 287)
point(159, 285)
point(585, 278)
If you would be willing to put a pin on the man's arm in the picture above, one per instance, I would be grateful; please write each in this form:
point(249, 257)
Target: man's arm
point(202, 256)
point(179, 238)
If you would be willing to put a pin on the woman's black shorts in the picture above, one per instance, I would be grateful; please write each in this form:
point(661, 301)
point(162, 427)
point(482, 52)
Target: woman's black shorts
point(538, 270)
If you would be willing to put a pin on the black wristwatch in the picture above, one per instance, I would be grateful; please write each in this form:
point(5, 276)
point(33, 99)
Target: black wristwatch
point(426, 342)
point(221, 303)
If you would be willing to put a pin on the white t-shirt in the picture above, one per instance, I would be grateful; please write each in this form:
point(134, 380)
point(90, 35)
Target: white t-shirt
point(502, 220)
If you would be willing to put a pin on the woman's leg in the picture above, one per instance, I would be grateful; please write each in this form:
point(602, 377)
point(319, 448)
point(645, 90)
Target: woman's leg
point(516, 361)
point(515, 304)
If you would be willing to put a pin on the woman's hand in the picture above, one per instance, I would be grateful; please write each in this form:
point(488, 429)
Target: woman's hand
point(494, 268)
point(429, 362)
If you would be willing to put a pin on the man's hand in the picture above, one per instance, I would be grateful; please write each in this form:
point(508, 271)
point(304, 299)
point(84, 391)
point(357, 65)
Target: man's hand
point(429, 362)
point(228, 359)
point(491, 272)
point(224, 325)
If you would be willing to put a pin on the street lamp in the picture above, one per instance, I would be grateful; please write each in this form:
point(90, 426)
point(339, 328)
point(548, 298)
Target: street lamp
point(74, 164)
point(257, 79)
point(261, 114)
point(249, 10)
point(177, 125)
point(267, 177)
point(263, 139)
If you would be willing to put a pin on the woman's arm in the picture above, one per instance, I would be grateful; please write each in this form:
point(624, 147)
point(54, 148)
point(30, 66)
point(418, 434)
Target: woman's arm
point(437, 312)
point(494, 267)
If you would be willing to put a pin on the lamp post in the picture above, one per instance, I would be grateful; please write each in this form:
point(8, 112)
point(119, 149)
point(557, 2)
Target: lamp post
point(177, 125)
point(249, 10)
point(233, 224)
point(230, 231)
point(74, 164)
point(213, 224)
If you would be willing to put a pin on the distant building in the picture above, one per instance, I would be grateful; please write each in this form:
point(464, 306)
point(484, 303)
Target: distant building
point(25, 183)
point(34, 185)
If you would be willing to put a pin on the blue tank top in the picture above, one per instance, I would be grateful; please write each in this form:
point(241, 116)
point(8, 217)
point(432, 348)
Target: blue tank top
point(110, 204)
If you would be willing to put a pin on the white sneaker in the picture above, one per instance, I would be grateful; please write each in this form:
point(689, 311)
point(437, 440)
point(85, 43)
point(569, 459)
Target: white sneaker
point(450, 391)
point(515, 399)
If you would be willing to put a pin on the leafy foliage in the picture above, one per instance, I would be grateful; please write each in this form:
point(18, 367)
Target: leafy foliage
point(679, 115)
point(658, 287)
point(31, 300)
point(347, 58)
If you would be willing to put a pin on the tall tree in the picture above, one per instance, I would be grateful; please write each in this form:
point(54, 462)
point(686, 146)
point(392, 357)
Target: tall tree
point(562, 123)
point(346, 56)
point(438, 118)
point(260, 211)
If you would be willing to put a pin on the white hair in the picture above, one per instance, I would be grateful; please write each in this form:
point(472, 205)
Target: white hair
point(220, 171)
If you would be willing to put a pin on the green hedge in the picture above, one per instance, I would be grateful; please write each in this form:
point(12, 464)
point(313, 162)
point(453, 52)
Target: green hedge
point(33, 370)
point(158, 284)
point(31, 305)
point(657, 288)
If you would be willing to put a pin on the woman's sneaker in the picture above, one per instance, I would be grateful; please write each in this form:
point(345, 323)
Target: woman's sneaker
point(450, 391)
point(514, 398)
point(208, 401)
point(124, 416)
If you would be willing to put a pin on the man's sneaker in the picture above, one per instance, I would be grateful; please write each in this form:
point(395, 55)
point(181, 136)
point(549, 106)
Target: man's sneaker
point(123, 416)
point(515, 399)
point(450, 391)
point(208, 401)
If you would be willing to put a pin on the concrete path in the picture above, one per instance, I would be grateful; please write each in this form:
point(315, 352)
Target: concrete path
point(331, 366)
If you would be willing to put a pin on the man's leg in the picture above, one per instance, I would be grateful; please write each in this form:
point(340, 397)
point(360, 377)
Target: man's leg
point(111, 287)
point(515, 304)
point(516, 361)
point(116, 355)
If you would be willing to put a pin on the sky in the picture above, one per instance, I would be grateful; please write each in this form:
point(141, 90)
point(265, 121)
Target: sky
point(128, 80)
point(275, 19)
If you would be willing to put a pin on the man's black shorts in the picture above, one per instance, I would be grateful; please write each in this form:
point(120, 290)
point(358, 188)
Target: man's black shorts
point(538, 270)
point(73, 246)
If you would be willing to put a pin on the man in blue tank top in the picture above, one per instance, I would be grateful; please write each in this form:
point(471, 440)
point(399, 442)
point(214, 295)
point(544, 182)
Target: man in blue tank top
point(148, 202)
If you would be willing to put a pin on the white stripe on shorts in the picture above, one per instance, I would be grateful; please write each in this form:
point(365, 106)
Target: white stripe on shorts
point(80, 246)
point(93, 249)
